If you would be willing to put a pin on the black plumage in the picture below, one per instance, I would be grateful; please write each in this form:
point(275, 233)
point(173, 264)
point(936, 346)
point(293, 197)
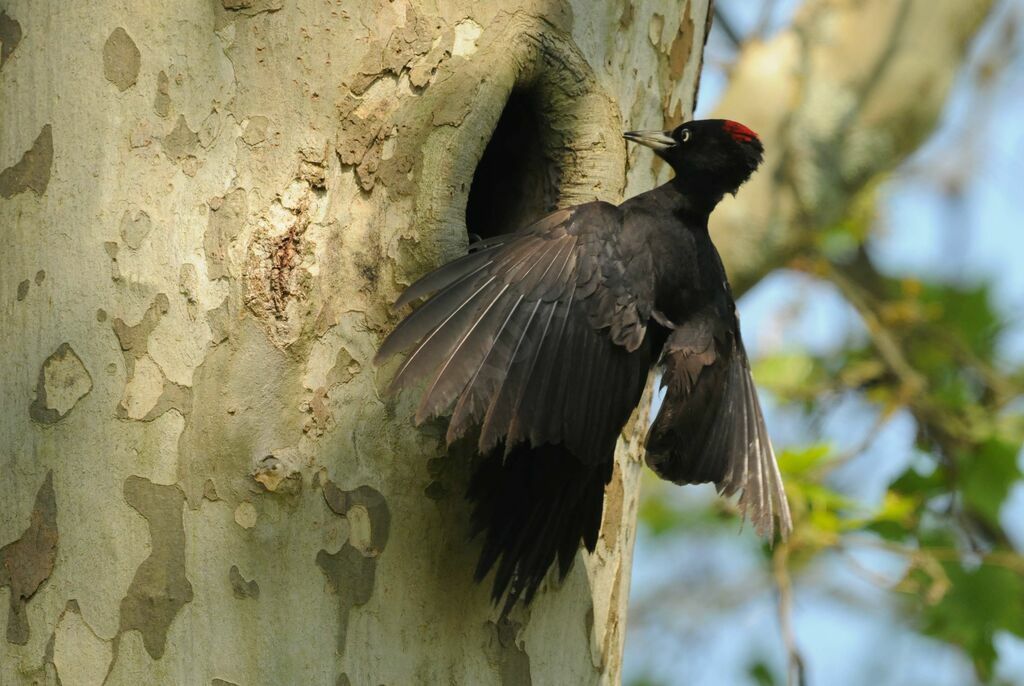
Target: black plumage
point(540, 342)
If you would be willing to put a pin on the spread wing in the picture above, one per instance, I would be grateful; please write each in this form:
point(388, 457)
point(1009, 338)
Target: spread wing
point(535, 336)
point(710, 427)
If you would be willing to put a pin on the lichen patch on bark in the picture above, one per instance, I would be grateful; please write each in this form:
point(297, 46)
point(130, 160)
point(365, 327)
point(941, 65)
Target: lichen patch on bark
point(32, 171)
point(121, 59)
point(159, 588)
point(28, 562)
point(63, 381)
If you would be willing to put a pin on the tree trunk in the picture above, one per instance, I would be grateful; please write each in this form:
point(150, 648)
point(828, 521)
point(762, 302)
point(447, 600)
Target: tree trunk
point(206, 208)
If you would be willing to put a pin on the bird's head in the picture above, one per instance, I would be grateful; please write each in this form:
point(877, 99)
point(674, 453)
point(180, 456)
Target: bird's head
point(715, 155)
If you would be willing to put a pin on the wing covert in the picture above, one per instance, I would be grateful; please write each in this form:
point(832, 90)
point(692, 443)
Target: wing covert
point(536, 336)
point(710, 427)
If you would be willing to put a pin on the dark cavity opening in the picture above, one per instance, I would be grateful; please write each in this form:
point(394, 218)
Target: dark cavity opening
point(516, 181)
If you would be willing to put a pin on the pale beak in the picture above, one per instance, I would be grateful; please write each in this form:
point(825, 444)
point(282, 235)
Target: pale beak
point(657, 140)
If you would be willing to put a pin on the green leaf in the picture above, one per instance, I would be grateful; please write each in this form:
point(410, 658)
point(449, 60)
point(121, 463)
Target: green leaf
point(979, 603)
point(788, 374)
point(796, 462)
point(761, 674)
point(986, 477)
point(656, 515)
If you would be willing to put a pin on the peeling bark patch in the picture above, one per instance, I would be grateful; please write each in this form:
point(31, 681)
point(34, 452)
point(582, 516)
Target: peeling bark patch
point(240, 587)
point(345, 368)
point(361, 127)
point(368, 505)
point(511, 658)
point(162, 99)
point(63, 381)
point(134, 229)
point(32, 172)
point(222, 682)
point(210, 129)
point(10, 36)
point(350, 572)
point(218, 321)
point(121, 59)
point(78, 655)
point(255, 130)
point(246, 515)
point(678, 58)
point(171, 397)
point(252, 7)
point(313, 167)
point(27, 562)
point(180, 144)
point(406, 43)
point(225, 221)
point(134, 340)
point(160, 588)
point(467, 32)
point(612, 520)
point(210, 491)
point(276, 280)
point(142, 391)
point(682, 45)
point(321, 419)
point(271, 472)
point(350, 576)
point(147, 393)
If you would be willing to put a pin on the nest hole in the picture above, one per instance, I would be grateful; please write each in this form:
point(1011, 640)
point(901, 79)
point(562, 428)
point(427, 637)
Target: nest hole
point(516, 180)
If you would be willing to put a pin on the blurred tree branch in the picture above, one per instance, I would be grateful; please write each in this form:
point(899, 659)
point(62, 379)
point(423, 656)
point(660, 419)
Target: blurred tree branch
point(841, 97)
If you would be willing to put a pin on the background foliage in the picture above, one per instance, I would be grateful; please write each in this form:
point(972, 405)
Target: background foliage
point(890, 351)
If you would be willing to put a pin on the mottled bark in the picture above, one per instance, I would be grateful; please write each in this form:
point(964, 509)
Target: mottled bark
point(206, 208)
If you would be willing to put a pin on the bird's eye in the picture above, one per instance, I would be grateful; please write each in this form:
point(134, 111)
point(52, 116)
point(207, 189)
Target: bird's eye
point(684, 135)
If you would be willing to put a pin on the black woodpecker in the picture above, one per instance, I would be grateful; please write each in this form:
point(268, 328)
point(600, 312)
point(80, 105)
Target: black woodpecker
point(538, 343)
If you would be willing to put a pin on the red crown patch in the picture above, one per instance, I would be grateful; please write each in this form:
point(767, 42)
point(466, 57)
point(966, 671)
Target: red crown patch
point(739, 132)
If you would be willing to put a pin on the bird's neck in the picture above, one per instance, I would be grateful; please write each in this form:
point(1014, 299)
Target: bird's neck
point(688, 199)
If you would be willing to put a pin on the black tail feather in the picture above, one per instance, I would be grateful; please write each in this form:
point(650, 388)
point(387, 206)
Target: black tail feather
point(534, 506)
